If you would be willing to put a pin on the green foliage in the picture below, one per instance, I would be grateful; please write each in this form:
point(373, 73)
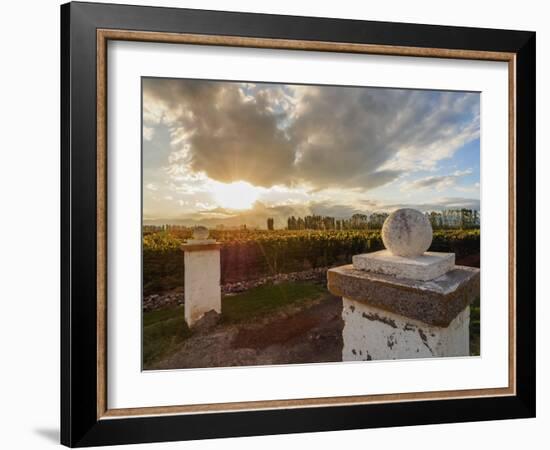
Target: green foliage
point(167, 241)
point(162, 262)
point(251, 254)
point(162, 241)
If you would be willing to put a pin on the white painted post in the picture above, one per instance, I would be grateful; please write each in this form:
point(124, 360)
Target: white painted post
point(202, 276)
point(404, 302)
point(374, 334)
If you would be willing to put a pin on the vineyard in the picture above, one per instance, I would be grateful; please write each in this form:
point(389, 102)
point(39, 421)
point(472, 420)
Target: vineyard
point(253, 254)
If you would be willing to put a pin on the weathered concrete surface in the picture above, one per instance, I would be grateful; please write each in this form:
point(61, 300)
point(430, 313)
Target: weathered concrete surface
point(202, 280)
point(436, 302)
point(374, 334)
point(424, 267)
point(407, 232)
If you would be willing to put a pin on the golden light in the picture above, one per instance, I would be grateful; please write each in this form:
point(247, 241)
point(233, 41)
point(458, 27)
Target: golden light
point(237, 195)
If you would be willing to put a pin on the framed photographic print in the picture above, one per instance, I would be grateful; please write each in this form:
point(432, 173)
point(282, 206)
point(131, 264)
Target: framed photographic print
point(276, 224)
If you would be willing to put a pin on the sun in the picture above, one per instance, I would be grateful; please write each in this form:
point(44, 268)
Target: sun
point(237, 195)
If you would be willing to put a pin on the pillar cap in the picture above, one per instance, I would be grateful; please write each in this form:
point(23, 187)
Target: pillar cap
point(198, 245)
point(428, 266)
point(435, 302)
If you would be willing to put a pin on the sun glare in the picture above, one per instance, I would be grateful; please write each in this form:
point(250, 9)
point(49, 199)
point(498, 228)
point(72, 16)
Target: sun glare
point(237, 195)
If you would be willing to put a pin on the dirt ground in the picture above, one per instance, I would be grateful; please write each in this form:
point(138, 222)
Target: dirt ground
point(311, 334)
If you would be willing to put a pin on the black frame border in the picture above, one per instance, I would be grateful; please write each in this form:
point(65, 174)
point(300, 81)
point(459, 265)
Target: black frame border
point(79, 423)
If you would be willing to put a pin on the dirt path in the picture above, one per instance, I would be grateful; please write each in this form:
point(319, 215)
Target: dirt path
point(311, 335)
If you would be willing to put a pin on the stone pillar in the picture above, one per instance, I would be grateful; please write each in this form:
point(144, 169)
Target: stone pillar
point(202, 276)
point(401, 307)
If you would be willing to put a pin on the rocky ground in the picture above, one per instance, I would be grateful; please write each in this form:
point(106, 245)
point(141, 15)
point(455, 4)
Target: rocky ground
point(308, 334)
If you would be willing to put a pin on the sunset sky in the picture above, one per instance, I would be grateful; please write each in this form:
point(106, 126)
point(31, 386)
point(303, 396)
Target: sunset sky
point(236, 153)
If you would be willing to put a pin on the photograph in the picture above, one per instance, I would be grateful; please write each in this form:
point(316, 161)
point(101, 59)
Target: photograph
point(296, 224)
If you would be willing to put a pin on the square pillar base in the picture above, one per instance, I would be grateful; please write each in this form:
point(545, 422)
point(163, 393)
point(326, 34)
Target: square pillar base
point(386, 317)
point(371, 333)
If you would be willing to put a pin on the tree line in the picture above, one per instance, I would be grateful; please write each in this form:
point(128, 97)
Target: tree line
point(463, 219)
point(446, 219)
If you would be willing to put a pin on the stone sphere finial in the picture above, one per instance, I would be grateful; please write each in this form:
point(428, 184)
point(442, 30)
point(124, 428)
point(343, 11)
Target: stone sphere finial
point(200, 233)
point(407, 232)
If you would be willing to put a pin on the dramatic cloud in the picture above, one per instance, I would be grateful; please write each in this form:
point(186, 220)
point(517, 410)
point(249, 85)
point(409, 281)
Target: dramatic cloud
point(433, 126)
point(439, 204)
point(322, 137)
point(221, 131)
point(366, 137)
point(439, 182)
point(236, 153)
point(148, 133)
point(256, 217)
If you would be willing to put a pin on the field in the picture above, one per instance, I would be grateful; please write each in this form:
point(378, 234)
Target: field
point(263, 257)
point(253, 254)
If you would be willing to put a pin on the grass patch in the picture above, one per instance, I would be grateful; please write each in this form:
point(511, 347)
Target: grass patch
point(153, 317)
point(266, 299)
point(474, 328)
point(163, 333)
point(165, 330)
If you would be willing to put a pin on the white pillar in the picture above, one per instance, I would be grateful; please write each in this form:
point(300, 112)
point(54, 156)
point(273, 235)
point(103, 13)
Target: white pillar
point(388, 317)
point(374, 334)
point(405, 302)
point(202, 279)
